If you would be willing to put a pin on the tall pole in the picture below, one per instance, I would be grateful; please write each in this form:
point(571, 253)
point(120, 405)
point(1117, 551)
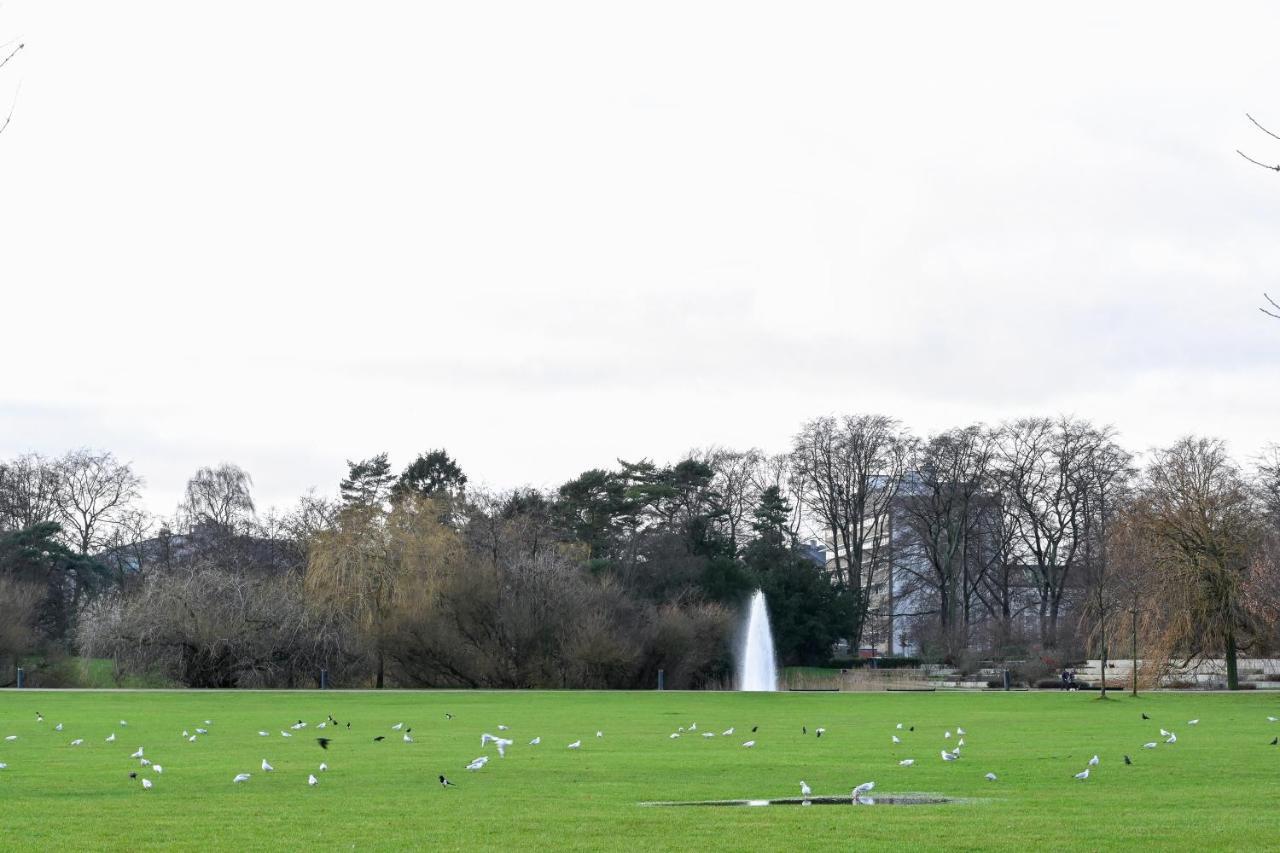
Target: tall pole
point(1134, 651)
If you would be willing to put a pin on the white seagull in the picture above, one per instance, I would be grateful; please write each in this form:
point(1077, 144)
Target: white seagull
point(408, 739)
point(397, 727)
point(1172, 738)
point(241, 777)
point(727, 732)
point(693, 727)
point(475, 765)
point(899, 726)
point(202, 731)
point(146, 784)
point(157, 768)
point(897, 739)
point(804, 789)
point(3, 765)
point(264, 734)
point(1194, 722)
point(536, 741)
point(960, 744)
point(283, 733)
point(864, 788)
point(267, 767)
point(960, 732)
point(486, 737)
point(502, 728)
point(123, 723)
point(191, 739)
point(749, 744)
point(1093, 762)
point(949, 756)
point(11, 737)
point(675, 735)
point(58, 727)
point(111, 737)
point(137, 754)
point(1163, 733)
point(1083, 774)
point(906, 762)
point(144, 762)
point(1151, 745)
point(77, 741)
point(312, 780)
point(575, 744)
point(323, 767)
point(599, 734)
point(947, 735)
point(991, 777)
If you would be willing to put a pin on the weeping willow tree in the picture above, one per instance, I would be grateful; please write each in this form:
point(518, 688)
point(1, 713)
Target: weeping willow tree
point(1201, 523)
point(375, 562)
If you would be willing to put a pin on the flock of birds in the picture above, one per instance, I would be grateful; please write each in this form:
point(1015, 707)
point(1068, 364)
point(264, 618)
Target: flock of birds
point(149, 771)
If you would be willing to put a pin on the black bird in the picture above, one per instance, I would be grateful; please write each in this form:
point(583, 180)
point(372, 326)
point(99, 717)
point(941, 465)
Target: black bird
point(445, 783)
point(323, 741)
point(406, 731)
point(1144, 716)
point(299, 722)
point(1126, 760)
point(912, 729)
point(448, 716)
point(819, 732)
point(804, 730)
point(378, 738)
point(1275, 740)
point(133, 775)
point(753, 728)
point(348, 725)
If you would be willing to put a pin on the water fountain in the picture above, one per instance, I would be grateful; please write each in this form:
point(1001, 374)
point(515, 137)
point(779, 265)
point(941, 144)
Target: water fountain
point(757, 666)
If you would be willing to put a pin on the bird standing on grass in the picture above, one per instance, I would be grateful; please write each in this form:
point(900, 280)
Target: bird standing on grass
point(804, 789)
point(1083, 774)
point(991, 777)
point(906, 762)
point(445, 783)
point(241, 777)
point(266, 767)
point(146, 784)
point(1093, 762)
point(312, 780)
point(749, 744)
point(1128, 760)
point(575, 744)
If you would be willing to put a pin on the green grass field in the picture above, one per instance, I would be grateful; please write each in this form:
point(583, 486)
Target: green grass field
point(1218, 787)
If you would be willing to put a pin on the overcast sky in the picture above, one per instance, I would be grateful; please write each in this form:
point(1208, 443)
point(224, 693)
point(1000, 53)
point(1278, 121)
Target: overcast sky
point(546, 235)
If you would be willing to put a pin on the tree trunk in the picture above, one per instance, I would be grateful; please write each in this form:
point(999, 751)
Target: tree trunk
point(381, 670)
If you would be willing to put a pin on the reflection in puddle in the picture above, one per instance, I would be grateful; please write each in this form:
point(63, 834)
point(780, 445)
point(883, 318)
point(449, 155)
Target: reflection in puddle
point(887, 800)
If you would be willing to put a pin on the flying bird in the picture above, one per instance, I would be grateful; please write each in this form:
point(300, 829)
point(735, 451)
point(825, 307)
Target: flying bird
point(693, 727)
point(267, 767)
point(1083, 774)
point(960, 744)
point(312, 780)
point(804, 789)
point(906, 762)
point(1093, 762)
point(575, 744)
point(991, 777)
point(323, 741)
point(241, 777)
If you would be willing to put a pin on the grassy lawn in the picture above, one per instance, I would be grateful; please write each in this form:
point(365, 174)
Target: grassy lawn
point(1218, 787)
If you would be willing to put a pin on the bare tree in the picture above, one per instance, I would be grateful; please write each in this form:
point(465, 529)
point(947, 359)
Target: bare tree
point(940, 530)
point(219, 496)
point(1201, 520)
point(8, 52)
point(852, 468)
point(734, 481)
point(29, 491)
point(96, 489)
point(1041, 466)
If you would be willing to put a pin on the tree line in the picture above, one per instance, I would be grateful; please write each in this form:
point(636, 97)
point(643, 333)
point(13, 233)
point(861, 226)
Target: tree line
point(1039, 540)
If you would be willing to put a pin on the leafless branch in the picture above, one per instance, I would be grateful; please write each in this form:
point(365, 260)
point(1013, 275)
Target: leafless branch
point(1257, 163)
point(1258, 125)
point(1274, 304)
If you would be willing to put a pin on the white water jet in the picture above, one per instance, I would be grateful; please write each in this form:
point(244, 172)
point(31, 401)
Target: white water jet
point(757, 667)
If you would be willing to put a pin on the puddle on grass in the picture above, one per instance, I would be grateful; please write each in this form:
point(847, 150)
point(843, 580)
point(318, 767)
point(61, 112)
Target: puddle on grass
point(887, 800)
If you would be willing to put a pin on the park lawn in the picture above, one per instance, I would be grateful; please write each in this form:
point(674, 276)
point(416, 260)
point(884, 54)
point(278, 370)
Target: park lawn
point(1218, 787)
